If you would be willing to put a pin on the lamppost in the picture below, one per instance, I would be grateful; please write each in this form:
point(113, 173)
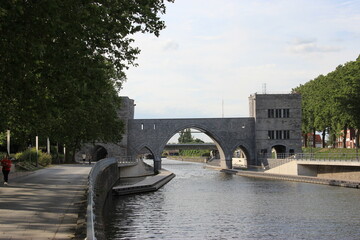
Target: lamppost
point(8, 141)
point(37, 150)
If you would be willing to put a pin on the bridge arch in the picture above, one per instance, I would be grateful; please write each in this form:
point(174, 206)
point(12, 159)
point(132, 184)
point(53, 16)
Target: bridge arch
point(227, 134)
point(216, 139)
point(279, 151)
point(144, 149)
point(245, 150)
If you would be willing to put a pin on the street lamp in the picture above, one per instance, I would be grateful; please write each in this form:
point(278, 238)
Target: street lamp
point(37, 150)
point(8, 141)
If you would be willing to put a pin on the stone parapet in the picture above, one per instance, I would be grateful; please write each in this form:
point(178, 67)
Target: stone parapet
point(102, 177)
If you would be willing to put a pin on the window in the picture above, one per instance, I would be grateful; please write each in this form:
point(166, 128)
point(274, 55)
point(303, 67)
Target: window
point(142, 126)
point(270, 134)
point(286, 134)
point(286, 113)
point(279, 113)
point(270, 113)
point(279, 134)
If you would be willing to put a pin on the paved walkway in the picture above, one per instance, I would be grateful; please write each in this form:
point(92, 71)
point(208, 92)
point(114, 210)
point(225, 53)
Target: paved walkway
point(42, 205)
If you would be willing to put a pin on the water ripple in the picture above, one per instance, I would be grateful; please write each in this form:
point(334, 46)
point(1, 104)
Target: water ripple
point(205, 204)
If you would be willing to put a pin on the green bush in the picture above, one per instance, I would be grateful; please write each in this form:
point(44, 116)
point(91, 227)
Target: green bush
point(44, 159)
point(194, 153)
point(30, 155)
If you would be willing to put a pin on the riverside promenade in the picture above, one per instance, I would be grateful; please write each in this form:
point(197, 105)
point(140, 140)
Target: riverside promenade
point(43, 204)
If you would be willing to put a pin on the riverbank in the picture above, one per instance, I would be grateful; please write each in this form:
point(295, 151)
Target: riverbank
point(284, 177)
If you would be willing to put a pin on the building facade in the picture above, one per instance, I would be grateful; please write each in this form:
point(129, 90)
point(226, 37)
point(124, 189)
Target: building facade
point(277, 123)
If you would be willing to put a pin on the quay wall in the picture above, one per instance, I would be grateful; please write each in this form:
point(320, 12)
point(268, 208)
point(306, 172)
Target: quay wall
point(102, 177)
point(346, 173)
point(336, 172)
point(284, 177)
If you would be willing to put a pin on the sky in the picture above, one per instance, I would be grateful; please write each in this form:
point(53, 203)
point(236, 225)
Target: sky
point(214, 54)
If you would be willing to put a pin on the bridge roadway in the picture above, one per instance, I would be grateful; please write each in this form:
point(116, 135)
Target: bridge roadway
point(44, 204)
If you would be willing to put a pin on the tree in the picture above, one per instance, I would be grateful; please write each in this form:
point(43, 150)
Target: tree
point(62, 64)
point(185, 136)
point(331, 102)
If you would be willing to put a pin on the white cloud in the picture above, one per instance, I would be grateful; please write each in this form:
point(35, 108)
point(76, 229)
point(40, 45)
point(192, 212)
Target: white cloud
point(310, 46)
point(227, 51)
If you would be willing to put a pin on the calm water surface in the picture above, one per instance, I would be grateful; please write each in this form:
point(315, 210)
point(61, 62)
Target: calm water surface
point(205, 204)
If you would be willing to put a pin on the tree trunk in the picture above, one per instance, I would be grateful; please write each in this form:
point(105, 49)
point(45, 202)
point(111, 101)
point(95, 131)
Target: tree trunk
point(323, 138)
point(357, 138)
point(314, 138)
point(334, 140)
point(344, 136)
point(305, 140)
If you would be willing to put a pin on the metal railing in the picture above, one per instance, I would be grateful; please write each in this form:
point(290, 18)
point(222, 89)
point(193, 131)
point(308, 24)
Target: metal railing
point(351, 157)
point(272, 163)
point(274, 160)
point(314, 156)
point(96, 169)
point(126, 159)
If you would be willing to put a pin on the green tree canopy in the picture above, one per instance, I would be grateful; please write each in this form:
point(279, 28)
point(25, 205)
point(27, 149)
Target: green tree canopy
point(62, 64)
point(332, 101)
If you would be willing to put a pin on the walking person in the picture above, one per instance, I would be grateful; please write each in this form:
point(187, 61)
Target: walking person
point(83, 157)
point(6, 166)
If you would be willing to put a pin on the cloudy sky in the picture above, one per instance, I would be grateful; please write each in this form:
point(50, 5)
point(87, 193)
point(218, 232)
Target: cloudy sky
point(215, 53)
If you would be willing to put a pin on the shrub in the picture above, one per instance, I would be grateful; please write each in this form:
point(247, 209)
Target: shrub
point(44, 159)
point(30, 155)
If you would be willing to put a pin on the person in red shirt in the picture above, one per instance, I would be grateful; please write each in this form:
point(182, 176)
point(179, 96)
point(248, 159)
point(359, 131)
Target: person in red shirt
point(6, 166)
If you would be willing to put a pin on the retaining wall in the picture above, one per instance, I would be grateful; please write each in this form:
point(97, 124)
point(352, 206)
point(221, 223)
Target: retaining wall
point(339, 172)
point(102, 177)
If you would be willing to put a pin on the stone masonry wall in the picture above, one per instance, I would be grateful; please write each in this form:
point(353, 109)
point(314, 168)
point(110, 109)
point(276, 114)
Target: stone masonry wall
point(339, 172)
point(104, 183)
point(260, 104)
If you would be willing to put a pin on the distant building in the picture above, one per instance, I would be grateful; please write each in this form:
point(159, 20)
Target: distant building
point(350, 139)
point(310, 140)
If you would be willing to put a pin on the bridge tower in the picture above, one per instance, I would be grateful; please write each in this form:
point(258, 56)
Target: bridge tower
point(277, 124)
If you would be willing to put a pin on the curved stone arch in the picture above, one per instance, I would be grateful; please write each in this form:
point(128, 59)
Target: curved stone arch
point(156, 157)
point(282, 153)
point(246, 148)
point(217, 140)
point(145, 146)
point(98, 151)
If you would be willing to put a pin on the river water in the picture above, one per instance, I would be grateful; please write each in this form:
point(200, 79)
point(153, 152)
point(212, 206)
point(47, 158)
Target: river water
point(206, 204)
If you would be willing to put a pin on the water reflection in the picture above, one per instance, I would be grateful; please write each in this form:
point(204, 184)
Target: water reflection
point(206, 204)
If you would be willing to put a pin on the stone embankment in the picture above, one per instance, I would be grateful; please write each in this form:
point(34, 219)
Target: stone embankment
point(104, 175)
point(150, 183)
point(316, 180)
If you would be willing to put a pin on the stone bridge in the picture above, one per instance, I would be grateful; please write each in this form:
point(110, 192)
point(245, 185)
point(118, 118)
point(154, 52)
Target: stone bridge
point(227, 133)
point(274, 127)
